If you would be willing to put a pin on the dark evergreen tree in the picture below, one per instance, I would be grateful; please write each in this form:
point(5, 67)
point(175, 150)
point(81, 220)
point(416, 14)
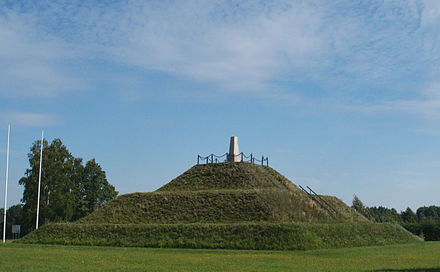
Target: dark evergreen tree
point(408, 216)
point(360, 207)
point(96, 190)
point(14, 216)
point(381, 214)
point(429, 214)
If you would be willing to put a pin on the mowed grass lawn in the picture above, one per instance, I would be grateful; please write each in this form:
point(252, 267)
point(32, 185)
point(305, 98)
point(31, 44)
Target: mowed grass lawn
point(408, 257)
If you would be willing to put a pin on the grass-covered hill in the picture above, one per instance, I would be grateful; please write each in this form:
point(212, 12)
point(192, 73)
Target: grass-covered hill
point(222, 193)
point(227, 176)
point(224, 205)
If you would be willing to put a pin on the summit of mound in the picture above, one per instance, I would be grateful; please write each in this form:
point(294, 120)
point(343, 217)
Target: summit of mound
point(229, 175)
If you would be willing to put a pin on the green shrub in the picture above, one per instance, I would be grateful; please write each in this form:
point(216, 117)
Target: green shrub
point(430, 231)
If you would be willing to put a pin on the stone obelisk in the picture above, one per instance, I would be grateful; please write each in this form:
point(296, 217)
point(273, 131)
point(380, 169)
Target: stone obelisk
point(234, 153)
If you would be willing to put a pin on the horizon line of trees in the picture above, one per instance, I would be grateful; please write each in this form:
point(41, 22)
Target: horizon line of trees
point(425, 222)
point(70, 190)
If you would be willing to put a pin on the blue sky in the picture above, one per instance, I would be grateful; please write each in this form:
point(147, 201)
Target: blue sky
point(343, 96)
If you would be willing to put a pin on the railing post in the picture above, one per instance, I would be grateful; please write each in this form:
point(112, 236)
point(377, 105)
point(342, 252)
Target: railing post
point(212, 158)
point(262, 160)
point(241, 156)
point(198, 159)
point(207, 158)
point(267, 161)
point(252, 159)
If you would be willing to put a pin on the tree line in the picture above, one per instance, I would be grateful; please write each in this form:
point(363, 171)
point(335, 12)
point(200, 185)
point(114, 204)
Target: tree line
point(70, 189)
point(425, 222)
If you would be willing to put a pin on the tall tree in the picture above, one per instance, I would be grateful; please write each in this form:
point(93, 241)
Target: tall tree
point(97, 190)
point(408, 216)
point(13, 217)
point(360, 207)
point(428, 214)
point(64, 186)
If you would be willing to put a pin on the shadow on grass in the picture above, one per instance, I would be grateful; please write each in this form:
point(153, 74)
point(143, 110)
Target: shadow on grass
point(410, 270)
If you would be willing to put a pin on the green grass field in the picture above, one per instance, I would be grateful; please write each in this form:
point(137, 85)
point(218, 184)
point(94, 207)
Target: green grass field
point(407, 257)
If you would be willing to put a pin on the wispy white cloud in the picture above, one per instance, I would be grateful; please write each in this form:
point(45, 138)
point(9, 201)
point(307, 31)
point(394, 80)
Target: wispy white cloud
point(29, 119)
point(415, 186)
point(308, 181)
point(239, 47)
point(33, 63)
point(426, 104)
point(431, 14)
point(243, 45)
point(249, 46)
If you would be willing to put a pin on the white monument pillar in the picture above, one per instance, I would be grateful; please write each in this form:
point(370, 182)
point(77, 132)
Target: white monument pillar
point(234, 153)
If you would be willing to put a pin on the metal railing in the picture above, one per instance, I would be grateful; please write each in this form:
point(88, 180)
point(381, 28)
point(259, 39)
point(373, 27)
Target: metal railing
point(224, 158)
point(321, 202)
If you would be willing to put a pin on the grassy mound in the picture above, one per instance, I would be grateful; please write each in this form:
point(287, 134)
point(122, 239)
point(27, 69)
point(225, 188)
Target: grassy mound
point(224, 205)
point(222, 193)
point(276, 236)
point(220, 206)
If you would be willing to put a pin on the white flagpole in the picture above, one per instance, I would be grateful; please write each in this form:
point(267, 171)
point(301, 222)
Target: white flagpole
point(39, 179)
point(6, 185)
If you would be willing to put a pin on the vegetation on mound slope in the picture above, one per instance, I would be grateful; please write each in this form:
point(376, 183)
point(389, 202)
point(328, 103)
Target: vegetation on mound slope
point(229, 175)
point(220, 206)
point(345, 212)
point(275, 236)
point(221, 193)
